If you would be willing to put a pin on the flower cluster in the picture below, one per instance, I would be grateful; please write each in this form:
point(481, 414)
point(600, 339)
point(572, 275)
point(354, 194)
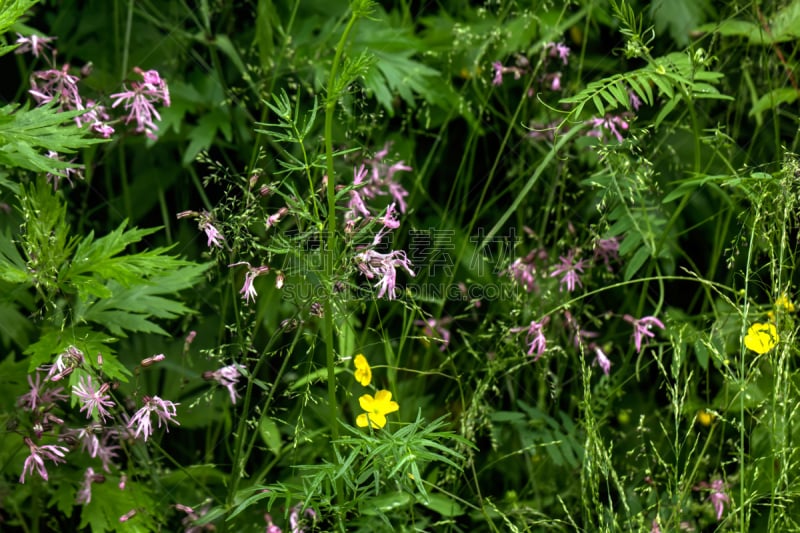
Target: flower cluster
point(376, 407)
point(58, 86)
point(522, 67)
point(139, 101)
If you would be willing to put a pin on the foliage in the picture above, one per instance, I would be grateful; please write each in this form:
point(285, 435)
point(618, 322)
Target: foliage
point(356, 266)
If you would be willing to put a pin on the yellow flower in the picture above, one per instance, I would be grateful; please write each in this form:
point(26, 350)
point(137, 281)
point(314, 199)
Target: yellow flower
point(786, 303)
point(376, 409)
point(705, 417)
point(761, 338)
point(363, 370)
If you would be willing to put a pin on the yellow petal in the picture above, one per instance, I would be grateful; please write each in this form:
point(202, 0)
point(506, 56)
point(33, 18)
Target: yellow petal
point(366, 402)
point(761, 338)
point(363, 372)
point(361, 421)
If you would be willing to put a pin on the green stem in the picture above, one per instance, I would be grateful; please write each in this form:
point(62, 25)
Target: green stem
point(330, 106)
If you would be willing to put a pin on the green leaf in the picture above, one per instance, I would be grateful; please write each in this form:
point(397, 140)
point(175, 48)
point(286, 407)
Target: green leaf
point(636, 262)
point(11, 11)
point(270, 434)
point(444, 505)
point(774, 98)
point(25, 133)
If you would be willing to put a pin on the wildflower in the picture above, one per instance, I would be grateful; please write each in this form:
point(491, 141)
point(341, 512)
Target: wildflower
point(559, 50)
point(376, 409)
point(193, 516)
point(610, 123)
point(38, 454)
point(783, 302)
point(85, 493)
point(96, 116)
point(139, 100)
point(150, 361)
point(536, 338)
point(248, 291)
point(390, 219)
point(570, 270)
point(433, 328)
point(704, 417)
point(383, 180)
point(294, 517)
point(93, 399)
point(37, 398)
point(498, 73)
point(67, 173)
point(165, 411)
point(66, 362)
point(363, 371)
point(642, 328)
point(634, 99)
point(214, 236)
point(56, 85)
point(718, 497)
point(33, 44)
point(606, 250)
point(383, 266)
point(276, 217)
point(228, 377)
point(127, 516)
point(578, 334)
point(356, 204)
point(761, 337)
point(601, 359)
point(271, 527)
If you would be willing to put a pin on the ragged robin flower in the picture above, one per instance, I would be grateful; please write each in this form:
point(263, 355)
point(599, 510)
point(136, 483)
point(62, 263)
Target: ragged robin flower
point(363, 371)
point(761, 337)
point(376, 409)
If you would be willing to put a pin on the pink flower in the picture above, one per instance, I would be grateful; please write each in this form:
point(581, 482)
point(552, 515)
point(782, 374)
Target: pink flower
point(569, 268)
point(536, 339)
point(248, 291)
point(601, 358)
point(436, 329)
point(642, 328)
point(498, 73)
point(718, 497)
point(606, 250)
point(36, 398)
point(610, 123)
point(384, 267)
point(139, 101)
point(56, 85)
point(165, 412)
point(295, 520)
point(93, 399)
point(271, 527)
point(85, 493)
point(228, 377)
point(559, 50)
point(215, 238)
point(66, 362)
point(32, 43)
point(38, 454)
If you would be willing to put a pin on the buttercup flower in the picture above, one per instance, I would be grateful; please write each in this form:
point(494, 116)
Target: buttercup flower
point(761, 338)
point(783, 302)
point(363, 371)
point(376, 409)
